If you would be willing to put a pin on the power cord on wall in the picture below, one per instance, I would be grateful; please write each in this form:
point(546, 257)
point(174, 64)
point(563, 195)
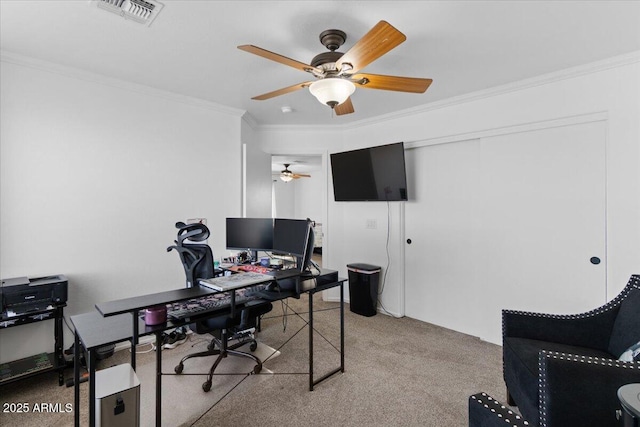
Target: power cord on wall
point(386, 269)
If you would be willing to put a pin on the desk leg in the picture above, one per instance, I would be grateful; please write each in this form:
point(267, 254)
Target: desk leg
point(158, 379)
point(134, 339)
point(341, 327)
point(310, 341)
point(91, 367)
point(313, 382)
point(76, 380)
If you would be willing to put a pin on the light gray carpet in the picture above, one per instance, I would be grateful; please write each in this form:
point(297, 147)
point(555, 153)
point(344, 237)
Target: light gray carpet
point(398, 372)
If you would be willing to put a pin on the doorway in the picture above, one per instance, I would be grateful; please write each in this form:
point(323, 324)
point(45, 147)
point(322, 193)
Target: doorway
point(299, 191)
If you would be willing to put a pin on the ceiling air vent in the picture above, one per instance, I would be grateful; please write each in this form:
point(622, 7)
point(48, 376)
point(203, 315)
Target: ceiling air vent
point(142, 11)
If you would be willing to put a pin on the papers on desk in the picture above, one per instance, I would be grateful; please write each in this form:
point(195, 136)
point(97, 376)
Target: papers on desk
point(235, 281)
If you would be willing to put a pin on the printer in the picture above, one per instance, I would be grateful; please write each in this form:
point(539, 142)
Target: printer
point(21, 295)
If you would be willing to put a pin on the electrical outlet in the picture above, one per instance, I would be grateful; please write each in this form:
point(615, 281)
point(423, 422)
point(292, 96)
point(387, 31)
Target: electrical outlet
point(371, 224)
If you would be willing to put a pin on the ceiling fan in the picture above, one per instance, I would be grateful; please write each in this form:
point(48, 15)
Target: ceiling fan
point(337, 73)
point(286, 175)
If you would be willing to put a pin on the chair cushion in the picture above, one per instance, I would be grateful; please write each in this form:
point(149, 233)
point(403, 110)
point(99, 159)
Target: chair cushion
point(626, 329)
point(521, 369)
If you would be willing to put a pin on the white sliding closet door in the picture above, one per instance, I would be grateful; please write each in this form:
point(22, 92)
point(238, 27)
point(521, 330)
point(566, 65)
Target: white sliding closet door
point(441, 220)
point(510, 221)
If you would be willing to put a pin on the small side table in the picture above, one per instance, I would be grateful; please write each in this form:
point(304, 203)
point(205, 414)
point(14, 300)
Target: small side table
point(629, 396)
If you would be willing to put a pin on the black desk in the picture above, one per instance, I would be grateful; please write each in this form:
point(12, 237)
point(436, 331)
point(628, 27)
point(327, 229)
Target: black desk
point(30, 366)
point(119, 320)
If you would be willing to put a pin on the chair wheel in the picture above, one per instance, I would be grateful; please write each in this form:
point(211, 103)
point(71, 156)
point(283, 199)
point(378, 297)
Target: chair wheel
point(257, 369)
point(253, 346)
point(206, 386)
point(179, 368)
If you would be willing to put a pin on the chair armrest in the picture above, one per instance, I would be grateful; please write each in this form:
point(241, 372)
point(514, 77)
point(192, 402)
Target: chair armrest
point(591, 329)
point(580, 390)
point(485, 411)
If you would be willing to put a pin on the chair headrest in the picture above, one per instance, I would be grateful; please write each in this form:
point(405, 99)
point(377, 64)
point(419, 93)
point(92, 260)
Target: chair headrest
point(195, 232)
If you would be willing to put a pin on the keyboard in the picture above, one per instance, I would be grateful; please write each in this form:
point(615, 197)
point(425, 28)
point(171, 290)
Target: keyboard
point(187, 309)
point(235, 281)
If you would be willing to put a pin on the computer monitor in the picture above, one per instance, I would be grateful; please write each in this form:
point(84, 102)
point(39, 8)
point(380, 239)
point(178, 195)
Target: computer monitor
point(294, 237)
point(250, 234)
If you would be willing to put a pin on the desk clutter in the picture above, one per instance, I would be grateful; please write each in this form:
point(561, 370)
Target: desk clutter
point(234, 281)
point(212, 303)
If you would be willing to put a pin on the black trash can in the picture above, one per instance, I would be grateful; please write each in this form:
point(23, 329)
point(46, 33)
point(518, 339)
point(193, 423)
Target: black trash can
point(363, 288)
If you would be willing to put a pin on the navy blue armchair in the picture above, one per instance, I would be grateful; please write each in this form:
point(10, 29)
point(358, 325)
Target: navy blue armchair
point(563, 370)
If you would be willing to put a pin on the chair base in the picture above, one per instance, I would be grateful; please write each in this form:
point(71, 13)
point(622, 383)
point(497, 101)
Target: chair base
point(222, 351)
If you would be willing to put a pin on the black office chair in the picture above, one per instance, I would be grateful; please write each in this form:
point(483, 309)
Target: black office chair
point(197, 260)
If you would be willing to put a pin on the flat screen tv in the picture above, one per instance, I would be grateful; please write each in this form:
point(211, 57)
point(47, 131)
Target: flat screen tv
point(370, 174)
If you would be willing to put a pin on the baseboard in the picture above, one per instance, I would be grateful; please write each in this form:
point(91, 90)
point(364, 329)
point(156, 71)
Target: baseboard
point(379, 309)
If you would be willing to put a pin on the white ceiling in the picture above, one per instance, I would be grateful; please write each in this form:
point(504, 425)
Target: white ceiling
point(190, 49)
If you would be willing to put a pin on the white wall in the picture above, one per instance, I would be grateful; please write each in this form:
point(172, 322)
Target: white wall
point(285, 195)
point(611, 86)
point(93, 178)
point(300, 198)
point(256, 176)
point(308, 200)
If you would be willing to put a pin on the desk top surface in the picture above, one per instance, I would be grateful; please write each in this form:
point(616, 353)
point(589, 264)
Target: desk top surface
point(95, 330)
point(325, 280)
point(113, 322)
point(128, 305)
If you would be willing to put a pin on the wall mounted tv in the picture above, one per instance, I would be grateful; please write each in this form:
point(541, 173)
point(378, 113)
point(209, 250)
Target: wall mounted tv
point(370, 174)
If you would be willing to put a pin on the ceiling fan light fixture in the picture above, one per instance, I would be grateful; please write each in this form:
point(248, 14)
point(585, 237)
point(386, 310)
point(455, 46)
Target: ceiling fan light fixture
point(332, 91)
point(286, 177)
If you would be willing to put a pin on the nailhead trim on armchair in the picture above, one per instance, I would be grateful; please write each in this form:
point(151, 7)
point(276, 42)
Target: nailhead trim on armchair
point(503, 415)
point(544, 355)
point(634, 282)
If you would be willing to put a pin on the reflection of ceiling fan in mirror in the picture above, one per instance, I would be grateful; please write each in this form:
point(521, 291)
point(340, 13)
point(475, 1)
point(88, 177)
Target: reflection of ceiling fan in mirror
point(337, 73)
point(286, 175)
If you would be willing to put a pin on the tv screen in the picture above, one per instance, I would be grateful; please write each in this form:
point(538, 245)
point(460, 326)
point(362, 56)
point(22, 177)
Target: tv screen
point(255, 234)
point(370, 174)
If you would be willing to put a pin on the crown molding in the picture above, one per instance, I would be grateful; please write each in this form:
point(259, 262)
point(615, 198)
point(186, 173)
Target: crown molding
point(581, 70)
point(26, 61)
point(556, 76)
point(250, 120)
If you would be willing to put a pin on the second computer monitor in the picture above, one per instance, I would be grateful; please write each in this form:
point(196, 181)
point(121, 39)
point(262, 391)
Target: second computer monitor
point(294, 236)
point(290, 236)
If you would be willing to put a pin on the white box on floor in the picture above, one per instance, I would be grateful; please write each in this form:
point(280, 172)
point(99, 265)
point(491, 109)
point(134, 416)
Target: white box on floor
point(117, 397)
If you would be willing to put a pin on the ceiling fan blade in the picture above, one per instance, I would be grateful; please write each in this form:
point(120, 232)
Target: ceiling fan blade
point(400, 84)
point(379, 40)
point(301, 175)
point(282, 91)
point(278, 58)
point(345, 108)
